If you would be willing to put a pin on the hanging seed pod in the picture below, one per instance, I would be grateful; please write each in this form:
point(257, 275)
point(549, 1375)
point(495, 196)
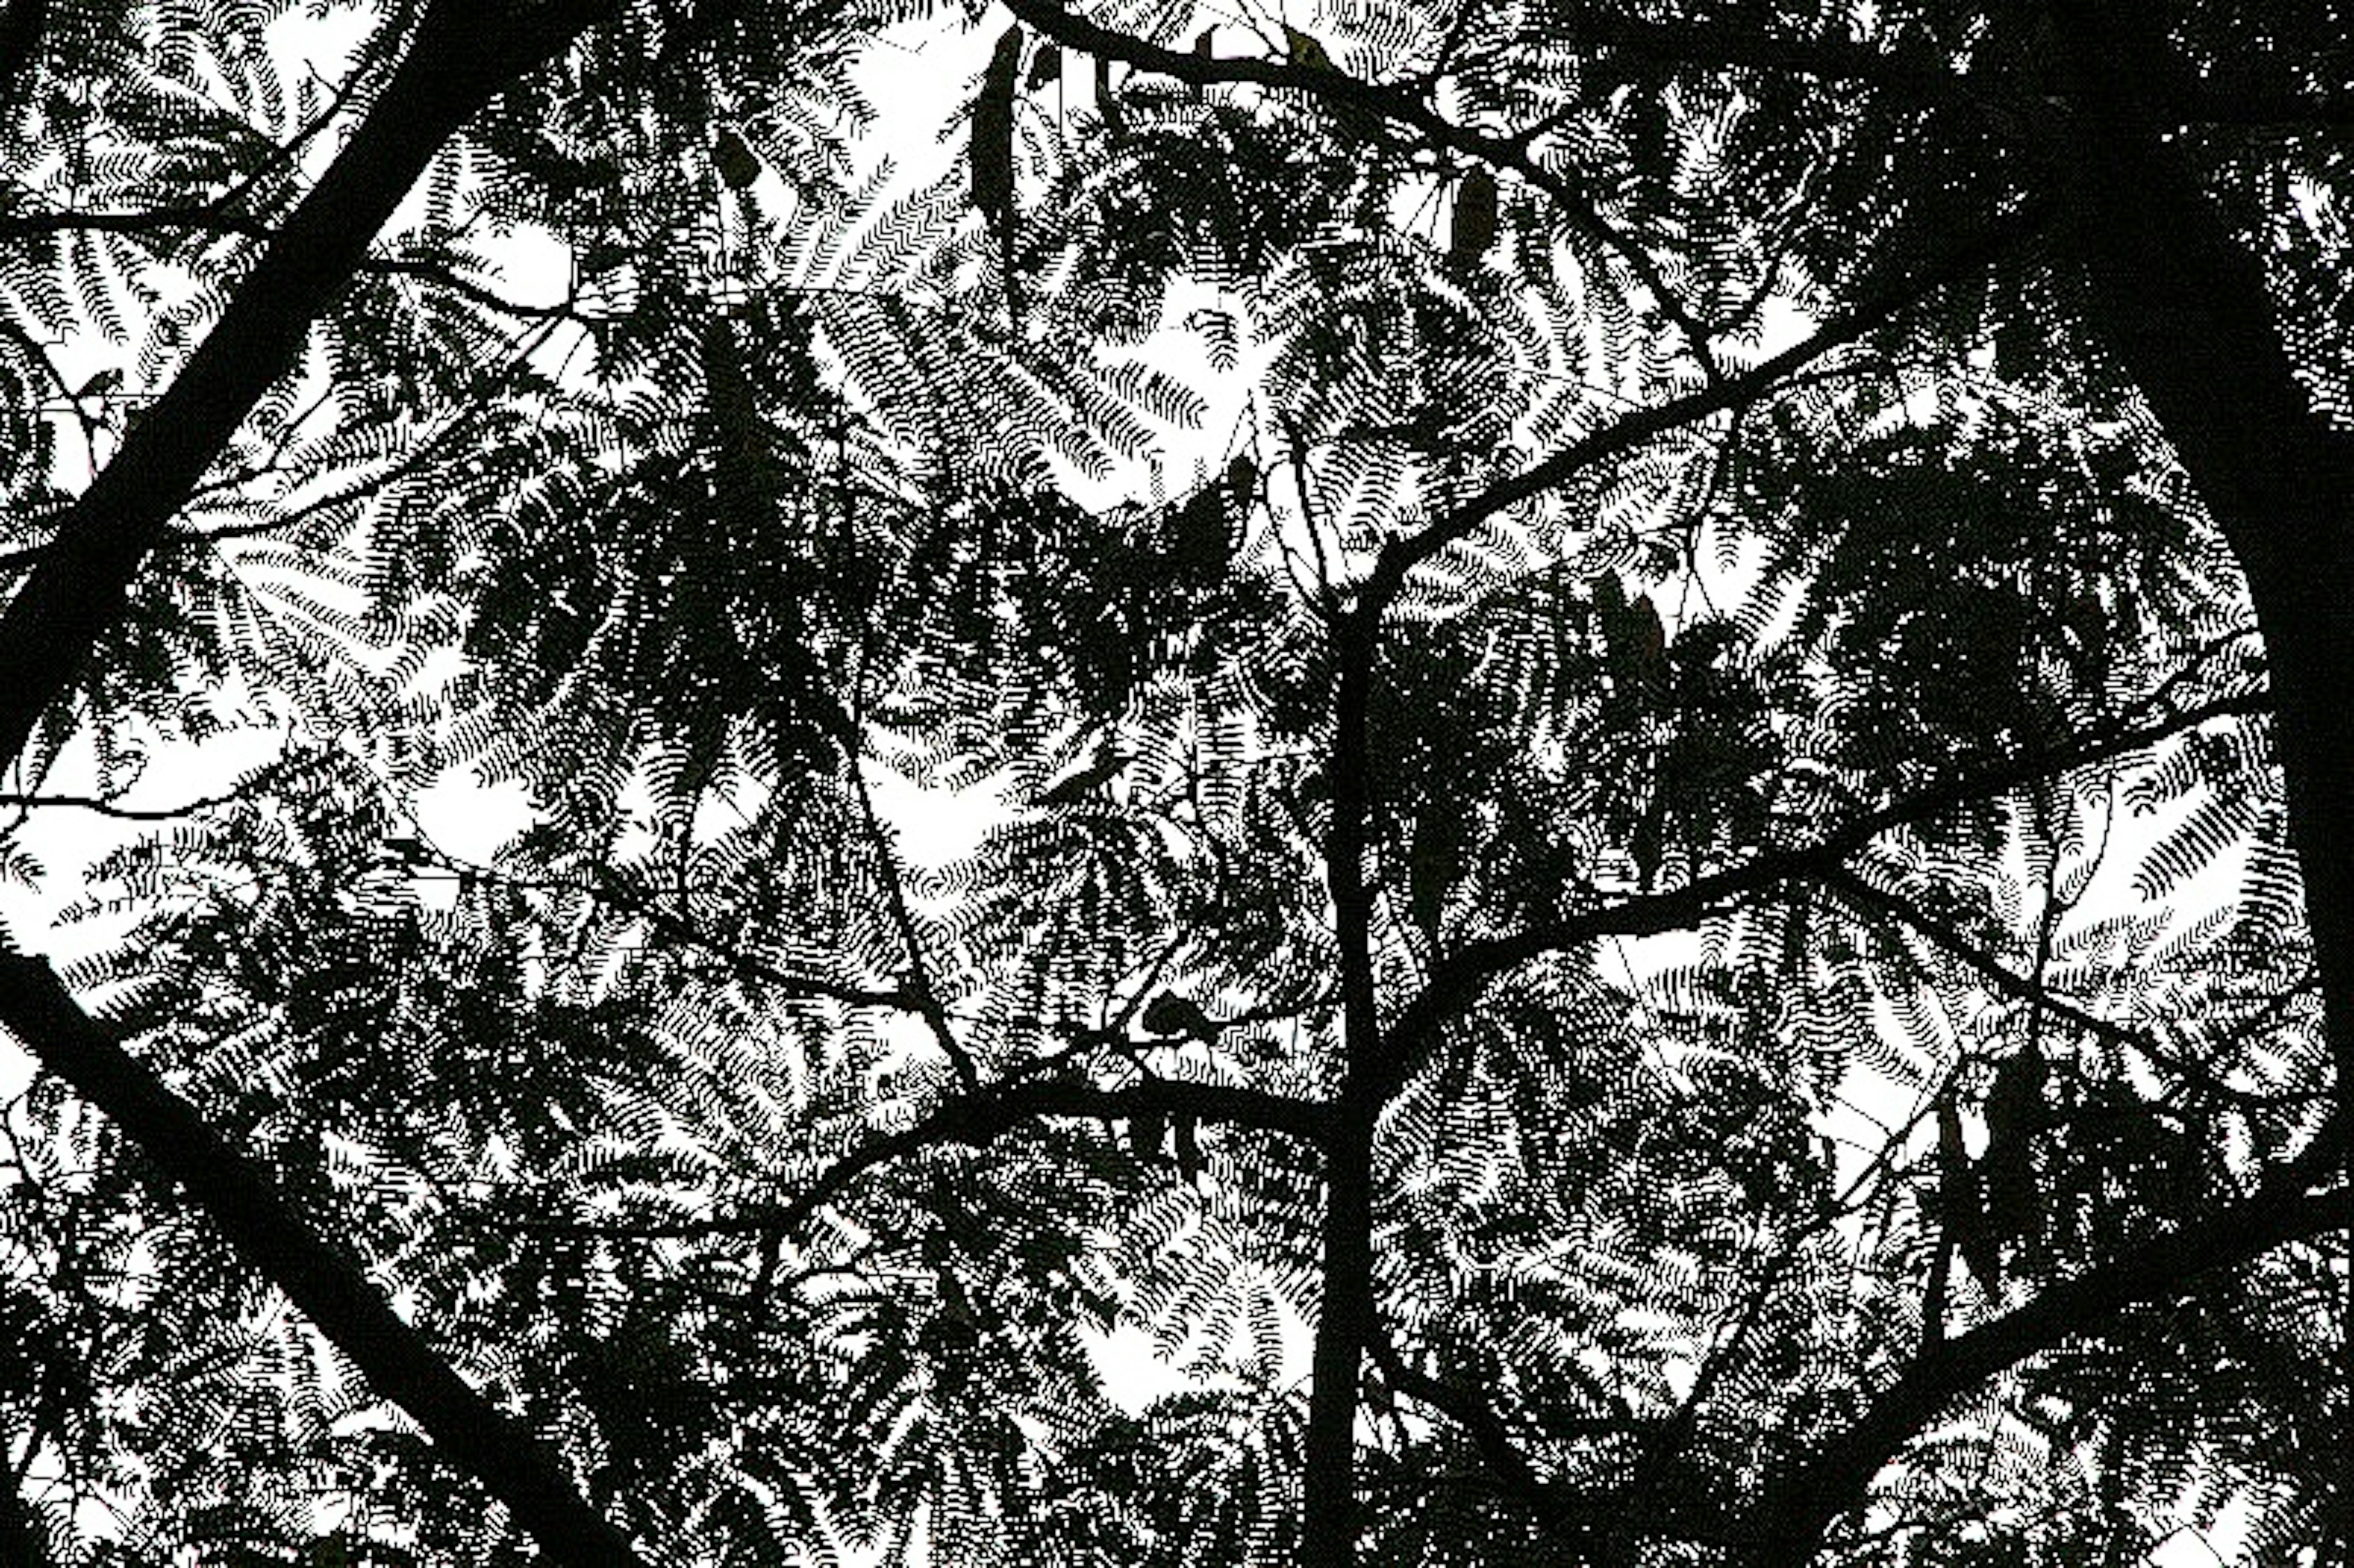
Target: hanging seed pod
point(2015, 1111)
point(1199, 537)
point(1187, 1146)
point(992, 157)
point(1474, 233)
point(991, 153)
point(1242, 480)
point(1171, 1014)
point(2015, 1114)
point(1964, 1206)
point(738, 166)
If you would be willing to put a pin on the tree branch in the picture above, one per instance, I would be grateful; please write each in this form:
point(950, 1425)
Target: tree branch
point(1457, 981)
point(441, 275)
point(611, 889)
point(1401, 555)
point(978, 1119)
point(925, 995)
point(1980, 962)
point(1345, 1315)
point(1480, 1422)
point(1713, 45)
point(75, 591)
point(1792, 1515)
point(459, 59)
point(1398, 104)
point(324, 1283)
point(2184, 303)
point(106, 808)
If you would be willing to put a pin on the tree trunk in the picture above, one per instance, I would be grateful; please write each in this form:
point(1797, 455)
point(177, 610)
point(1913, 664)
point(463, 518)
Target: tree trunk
point(1328, 1515)
point(1328, 1520)
point(2185, 308)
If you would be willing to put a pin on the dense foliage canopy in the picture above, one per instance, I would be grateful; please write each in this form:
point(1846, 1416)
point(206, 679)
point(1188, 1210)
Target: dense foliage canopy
point(1586, 745)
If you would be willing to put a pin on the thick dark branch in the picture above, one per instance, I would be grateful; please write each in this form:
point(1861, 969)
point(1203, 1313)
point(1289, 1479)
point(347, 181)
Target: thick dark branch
point(1402, 555)
point(1792, 1516)
point(459, 58)
point(1345, 1320)
point(977, 1120)
point(1401, 105)
point(2184, 304)
point(324, 1283)
point(1459, 979)
point(24, 1543)
point(75, 592)
point(1346, 1316)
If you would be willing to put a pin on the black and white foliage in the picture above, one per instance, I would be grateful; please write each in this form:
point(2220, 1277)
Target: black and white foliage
point(1638, 708)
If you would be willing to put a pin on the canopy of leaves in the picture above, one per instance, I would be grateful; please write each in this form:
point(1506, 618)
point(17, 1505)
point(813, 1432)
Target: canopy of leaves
point(924, 639)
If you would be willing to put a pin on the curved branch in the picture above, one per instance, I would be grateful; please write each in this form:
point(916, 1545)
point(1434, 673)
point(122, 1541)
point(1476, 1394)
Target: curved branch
point(105, 808)
point(1793, 1514)
point(1356, 98)
point(1471, 1410)
point(1401, 555)
point(977, 1120)
point(1455, 982)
